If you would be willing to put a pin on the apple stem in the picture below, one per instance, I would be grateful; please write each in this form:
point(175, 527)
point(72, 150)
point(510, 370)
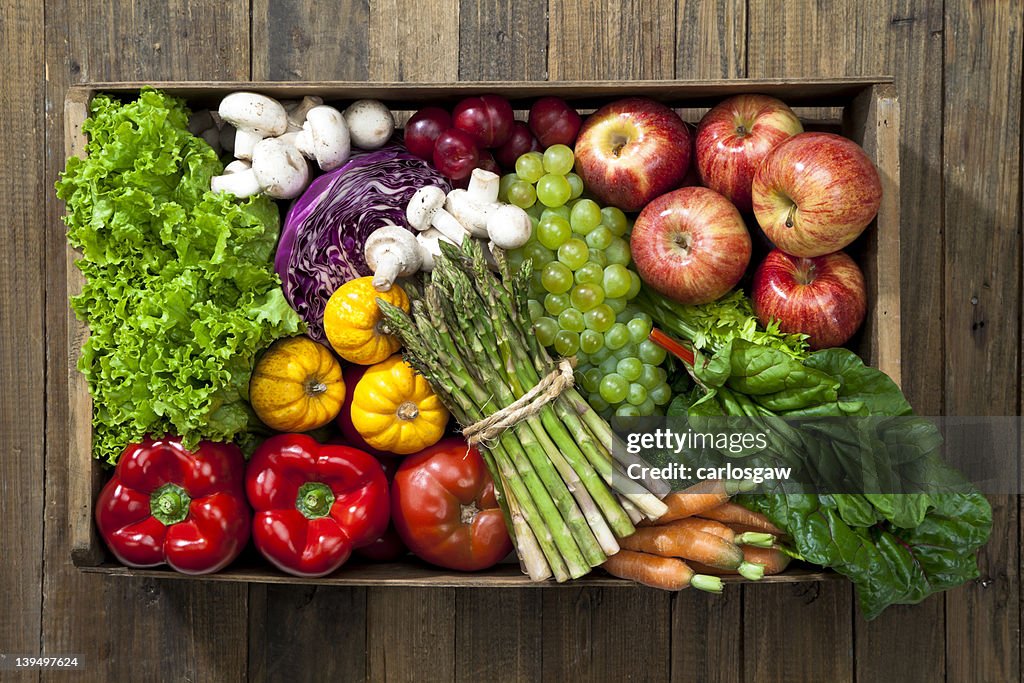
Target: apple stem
point(790, 217)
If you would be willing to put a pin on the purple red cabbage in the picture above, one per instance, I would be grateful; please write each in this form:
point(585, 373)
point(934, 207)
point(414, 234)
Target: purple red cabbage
point(321, 244)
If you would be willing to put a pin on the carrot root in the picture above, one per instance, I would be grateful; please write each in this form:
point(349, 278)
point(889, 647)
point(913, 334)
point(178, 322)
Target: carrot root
point(740, 518)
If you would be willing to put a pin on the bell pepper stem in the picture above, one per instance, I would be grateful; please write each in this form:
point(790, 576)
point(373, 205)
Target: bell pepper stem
point(314, 500)
point(169, 504)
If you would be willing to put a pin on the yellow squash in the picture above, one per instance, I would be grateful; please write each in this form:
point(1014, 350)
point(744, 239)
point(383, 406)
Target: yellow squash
point(395, 410)
point(352, 321)
point(297, 386)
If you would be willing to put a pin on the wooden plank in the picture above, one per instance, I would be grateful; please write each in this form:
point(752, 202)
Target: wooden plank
point(611, 39)
point(711, 39)
point(291, 41)
point(604, 635)
point(148, 627)
point(503, 40)
point(290, 626)
point(411, 42)
point(707, 636)
point(22, 328)
point(982, 64)
point(798, 633)
point(499, 635)
point(410, 634)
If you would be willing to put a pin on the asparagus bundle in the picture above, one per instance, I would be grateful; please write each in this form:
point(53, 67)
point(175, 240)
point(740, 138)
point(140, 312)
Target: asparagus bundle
point(551, 456)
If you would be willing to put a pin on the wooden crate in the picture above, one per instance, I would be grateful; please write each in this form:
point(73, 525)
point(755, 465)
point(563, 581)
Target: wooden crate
point(864, 109)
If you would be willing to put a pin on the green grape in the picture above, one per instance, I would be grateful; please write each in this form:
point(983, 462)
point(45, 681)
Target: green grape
point(540, 255)
point(615, 220)
point(535, 211)
point(590, 379)
point(597, 403)
point(634, 285)
point(566, 343)
point(576, 183)
point(640, 327)
point(614, 388)
point(617, 304)
point(616, 337)
point(530, 167)
point(630, 368)
point(589, 274)
point(515, 259)
point(618, 251)
point(574, 253)
point(627, 351)
point(600, 318)
point(599, 257)
point(583, 359)
point(536, 310)
point(628, 410)
point(572, 320)
point(600, 356)
point(545, 329)
point(552, 211)
point(651, 353)
point(553, 232)
point(556, 278)
point(648, 407)
point(615, 280)
point(536, 285)
point(660, 394)
point(637, 393)
point(591, 341)
point(558, 159)
point(600, 238)
point(553, 190)
point(586, 297)
point(522, 194)
point(608, 365)
point(649, 376)
point(585, 216)
point(555, 303)
point(504, 184)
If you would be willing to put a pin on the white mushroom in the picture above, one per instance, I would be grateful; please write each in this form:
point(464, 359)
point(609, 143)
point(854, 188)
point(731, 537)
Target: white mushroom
point(297, 111)
point(509, 227)
point(426, 210)
point(254, 117)
point(280, 169)
point(430, 247)
point(238, 179)
point(370, 123)
point(391, 252)
point(324, 137)
point(474, 205)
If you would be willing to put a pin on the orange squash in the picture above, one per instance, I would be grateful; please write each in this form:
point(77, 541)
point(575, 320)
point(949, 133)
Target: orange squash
point(352, 321)
point(297, 386)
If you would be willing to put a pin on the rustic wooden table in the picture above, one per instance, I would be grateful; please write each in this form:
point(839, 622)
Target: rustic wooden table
point(958, 70)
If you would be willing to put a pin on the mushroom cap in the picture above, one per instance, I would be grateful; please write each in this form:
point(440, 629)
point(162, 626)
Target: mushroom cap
point(252, 111)
point(423, 205)
point(397, 240)
point(280, 169)
point(509, 227)
point(471, 214)
point(325, 137)
point(370, 123)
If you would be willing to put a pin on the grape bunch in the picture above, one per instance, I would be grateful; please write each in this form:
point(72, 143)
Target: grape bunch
point(582, 285)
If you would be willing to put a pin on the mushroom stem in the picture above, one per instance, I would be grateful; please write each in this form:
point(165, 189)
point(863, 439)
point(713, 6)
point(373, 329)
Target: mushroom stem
point(297, 113)
point(483, 186)
point(388, 269)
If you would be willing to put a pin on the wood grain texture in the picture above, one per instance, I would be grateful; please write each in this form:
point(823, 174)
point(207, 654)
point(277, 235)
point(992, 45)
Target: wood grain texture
point(711, 39)
point(299, 40)
point(22, 307)
point(593, 634)
point(503, 40)
point(409, 41)
point(707, 636)
point(982, 324)
point(611, 39)
point(410, 634)
point(498, 635)
point(128, 629)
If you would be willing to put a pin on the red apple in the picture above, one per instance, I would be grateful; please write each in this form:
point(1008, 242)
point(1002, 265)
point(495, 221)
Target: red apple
point(815, 193)
point(632, 150)
point(735, 137)
point(821, 297)
point(554, 122)
point(691, 245)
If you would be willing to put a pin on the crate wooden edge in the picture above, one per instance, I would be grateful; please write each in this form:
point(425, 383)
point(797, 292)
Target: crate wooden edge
point(876, 104)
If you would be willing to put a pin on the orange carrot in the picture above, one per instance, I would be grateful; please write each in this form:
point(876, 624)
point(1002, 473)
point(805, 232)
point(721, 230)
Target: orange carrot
point(773, 560)
point(697, 499)
point(666, 573)
point(740, 518)
point(678, 540)
point(761, 539)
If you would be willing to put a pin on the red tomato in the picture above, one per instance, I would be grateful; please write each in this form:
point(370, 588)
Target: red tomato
point(444, 508)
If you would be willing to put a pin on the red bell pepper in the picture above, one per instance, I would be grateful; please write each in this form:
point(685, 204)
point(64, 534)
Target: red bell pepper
point(388, 547)
point(167, 504)
point(443, 506)
point(314, 503)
